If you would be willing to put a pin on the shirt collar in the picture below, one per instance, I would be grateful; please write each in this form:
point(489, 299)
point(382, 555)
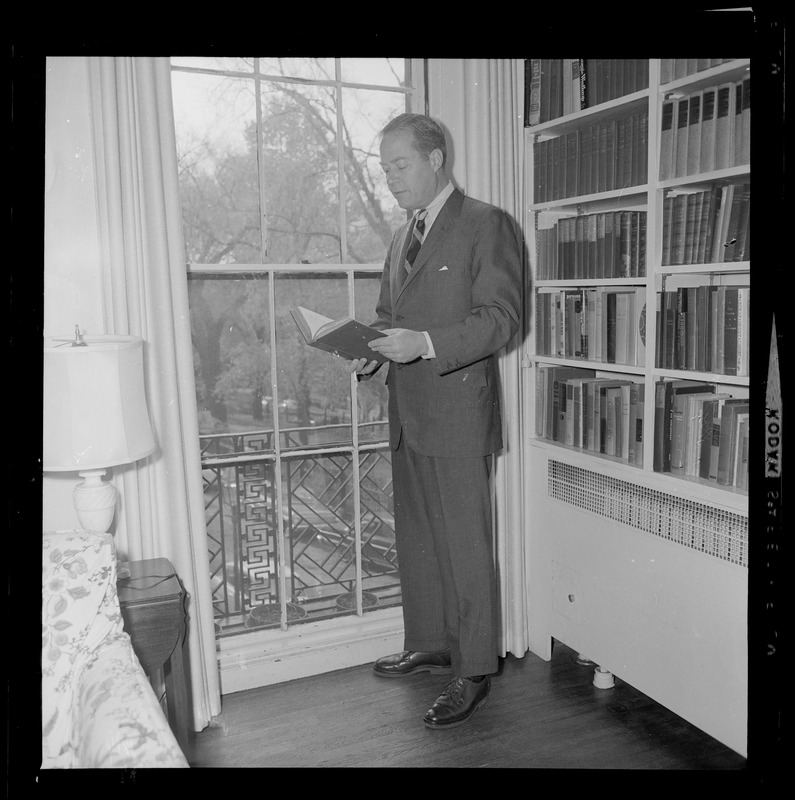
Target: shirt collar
point(435, 206)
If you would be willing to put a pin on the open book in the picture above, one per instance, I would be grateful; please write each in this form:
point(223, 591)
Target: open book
point(344, 337)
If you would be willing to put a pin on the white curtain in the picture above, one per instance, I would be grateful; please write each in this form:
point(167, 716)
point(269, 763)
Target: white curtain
point(480, 102)
point(145, 294)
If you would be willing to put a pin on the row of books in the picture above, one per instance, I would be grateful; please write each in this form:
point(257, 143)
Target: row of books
point(699, 432)
point(599, 157)
point(707, 227)
point(602, 415)
point(671, 69)
point(704, 328)
point(610, 244)
point(555, 87)
point(706, 130)
point(603, 323)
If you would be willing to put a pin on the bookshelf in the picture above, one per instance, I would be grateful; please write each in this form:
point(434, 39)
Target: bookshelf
point(636, 373)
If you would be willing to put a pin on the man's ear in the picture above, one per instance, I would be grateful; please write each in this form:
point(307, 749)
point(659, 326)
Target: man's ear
point(437, 159)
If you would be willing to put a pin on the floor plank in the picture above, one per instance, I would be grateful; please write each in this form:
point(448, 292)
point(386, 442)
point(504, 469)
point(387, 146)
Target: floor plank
point(539, 715)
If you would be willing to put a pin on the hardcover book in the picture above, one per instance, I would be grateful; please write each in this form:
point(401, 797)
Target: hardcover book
point(343, 337)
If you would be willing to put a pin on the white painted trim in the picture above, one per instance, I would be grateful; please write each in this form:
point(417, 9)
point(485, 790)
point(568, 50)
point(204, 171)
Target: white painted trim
point(263, 658)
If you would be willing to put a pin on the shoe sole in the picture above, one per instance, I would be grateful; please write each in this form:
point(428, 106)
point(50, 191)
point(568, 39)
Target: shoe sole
point(435, 726)
point(416, 671)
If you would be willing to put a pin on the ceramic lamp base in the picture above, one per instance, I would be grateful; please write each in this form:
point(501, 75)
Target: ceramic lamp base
point(95, 501)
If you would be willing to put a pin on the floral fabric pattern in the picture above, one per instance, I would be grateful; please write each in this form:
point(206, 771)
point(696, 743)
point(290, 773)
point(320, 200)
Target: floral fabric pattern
point(98, 707)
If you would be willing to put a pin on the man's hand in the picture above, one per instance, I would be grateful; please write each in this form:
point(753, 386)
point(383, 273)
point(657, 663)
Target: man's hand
point(400, 344)
point(363, 367)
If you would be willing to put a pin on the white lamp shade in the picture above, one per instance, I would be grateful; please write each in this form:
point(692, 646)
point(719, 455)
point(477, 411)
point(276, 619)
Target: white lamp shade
point(95, 413)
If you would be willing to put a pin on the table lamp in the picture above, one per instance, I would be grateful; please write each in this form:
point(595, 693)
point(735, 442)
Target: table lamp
point(95, 416)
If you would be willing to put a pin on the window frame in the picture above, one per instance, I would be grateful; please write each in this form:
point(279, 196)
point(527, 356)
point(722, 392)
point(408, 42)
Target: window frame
point(415, 93)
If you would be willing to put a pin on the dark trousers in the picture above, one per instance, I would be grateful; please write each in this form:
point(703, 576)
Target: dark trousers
point(443, 532)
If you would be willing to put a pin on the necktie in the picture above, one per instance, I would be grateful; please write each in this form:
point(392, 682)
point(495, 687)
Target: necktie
point(417, 235)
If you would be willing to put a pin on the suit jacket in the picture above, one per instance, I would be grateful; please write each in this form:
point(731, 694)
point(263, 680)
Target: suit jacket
point(465, 290)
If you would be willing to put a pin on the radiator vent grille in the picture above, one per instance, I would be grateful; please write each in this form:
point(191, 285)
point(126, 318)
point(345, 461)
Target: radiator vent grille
point(719, 533)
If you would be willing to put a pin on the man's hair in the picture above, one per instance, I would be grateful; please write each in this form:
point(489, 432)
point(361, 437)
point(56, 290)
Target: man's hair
point(428, 134)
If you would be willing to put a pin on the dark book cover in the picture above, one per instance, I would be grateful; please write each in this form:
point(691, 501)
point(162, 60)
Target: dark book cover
point(634, 256)
point(730, 331)
point(745, 148)
point(667, 141)
point(697, 228)
point(738, 123)
point(532, 91)
point(724, 127)
point(607, 267)
point(621, 180)
point(694, 134)
point(690, 227)
point(572, 167)
point(344, 337)
point(702, 328)
point(584, 170)
point(642, 218)
point(680, 164)
point(708, 129)
point(668, 213)
point(558, 150)
point(680, 346)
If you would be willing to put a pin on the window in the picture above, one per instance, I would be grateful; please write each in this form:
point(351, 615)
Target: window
point(284, 203)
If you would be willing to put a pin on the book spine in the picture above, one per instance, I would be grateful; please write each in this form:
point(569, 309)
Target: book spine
point(639, 423)
point(738, 123)
point(745, 147)
point(708, 130)
point(682, 142)
point(667, 141)
point(694, 134)
point(724, 126)
point(730, 331)
point(739, 252)
point(532, 91)
point(743, 323)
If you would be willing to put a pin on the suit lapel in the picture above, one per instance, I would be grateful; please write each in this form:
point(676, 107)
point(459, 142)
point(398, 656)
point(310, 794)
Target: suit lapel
point(441, 227)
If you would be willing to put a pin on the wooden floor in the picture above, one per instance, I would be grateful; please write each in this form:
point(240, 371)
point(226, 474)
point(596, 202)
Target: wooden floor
point(539, 715)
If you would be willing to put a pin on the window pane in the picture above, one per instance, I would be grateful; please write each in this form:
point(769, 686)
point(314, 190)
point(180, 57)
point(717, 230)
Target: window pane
point(230, 64)
point(315, 385)
point(321, 69)
point(215, 123)
point(299, 129)
point(374, 71)
point(372, 393)
point(230, 326)
point(372, 212)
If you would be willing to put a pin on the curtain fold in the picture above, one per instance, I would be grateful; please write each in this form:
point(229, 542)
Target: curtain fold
point(480, 102)
point(145, 293)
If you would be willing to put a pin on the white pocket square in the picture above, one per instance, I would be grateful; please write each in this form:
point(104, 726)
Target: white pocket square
point(442, 269)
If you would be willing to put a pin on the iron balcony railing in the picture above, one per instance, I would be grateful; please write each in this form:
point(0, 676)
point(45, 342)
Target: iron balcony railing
point(316, 573)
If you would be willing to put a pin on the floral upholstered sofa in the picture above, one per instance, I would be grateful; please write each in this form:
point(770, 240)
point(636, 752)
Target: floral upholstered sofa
point(98, 707)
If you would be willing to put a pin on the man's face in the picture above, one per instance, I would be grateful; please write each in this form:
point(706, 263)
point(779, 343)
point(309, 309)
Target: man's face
point(411, 177)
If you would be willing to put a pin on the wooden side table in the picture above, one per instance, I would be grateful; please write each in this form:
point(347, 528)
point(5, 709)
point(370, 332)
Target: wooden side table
point(152, 604)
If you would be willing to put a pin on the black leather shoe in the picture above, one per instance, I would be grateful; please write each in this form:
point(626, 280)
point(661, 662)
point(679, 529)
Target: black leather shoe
point(410, 662)
point(457, 703)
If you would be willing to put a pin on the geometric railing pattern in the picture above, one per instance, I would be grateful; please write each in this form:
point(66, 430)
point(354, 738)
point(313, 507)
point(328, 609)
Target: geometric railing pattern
point(317, 572)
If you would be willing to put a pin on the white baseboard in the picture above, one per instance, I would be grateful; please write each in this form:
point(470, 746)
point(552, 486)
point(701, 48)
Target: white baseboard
point(262, 658)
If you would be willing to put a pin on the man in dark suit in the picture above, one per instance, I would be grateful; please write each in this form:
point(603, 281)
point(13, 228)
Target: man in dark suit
point(447, 308)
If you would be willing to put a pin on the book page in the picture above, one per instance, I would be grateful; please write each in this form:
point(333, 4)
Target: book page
point(313, 320)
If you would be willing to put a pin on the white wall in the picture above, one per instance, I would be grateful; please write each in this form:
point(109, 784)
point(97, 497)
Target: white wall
point(72, 283)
